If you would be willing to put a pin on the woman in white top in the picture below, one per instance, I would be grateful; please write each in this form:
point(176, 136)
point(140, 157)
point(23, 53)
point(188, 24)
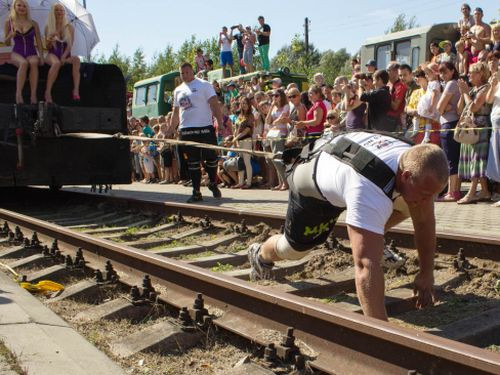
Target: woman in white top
point(278, 119)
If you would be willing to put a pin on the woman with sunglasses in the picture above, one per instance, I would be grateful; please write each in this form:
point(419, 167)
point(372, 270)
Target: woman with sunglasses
point(315, 117)
point(298, 113)
point(278, 119)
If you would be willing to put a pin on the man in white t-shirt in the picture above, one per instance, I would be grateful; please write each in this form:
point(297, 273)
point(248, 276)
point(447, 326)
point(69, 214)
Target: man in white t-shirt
point(195, 102)
point(379, 180)
point(226, 52)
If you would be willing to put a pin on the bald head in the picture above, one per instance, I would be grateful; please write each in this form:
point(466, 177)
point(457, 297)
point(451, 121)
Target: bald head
point(425, 160)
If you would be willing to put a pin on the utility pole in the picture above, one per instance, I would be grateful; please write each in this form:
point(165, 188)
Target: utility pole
point(306, 35)
point(85, 4)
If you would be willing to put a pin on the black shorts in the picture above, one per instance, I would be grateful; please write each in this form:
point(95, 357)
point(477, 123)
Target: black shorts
point(309, 221)
point(167, 156)
point(201, 135)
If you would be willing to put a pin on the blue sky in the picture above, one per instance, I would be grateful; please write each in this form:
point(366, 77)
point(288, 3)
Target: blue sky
point(153, 24)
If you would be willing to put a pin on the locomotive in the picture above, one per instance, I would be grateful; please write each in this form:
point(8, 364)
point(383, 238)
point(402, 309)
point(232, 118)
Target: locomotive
point(68, 143)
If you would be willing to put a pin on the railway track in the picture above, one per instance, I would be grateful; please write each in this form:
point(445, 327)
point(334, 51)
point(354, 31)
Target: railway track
point(184, 270)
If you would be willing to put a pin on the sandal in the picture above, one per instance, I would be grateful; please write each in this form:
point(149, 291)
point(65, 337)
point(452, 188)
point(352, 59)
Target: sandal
point(246, 186)
point(467, 199)
point(449, 197)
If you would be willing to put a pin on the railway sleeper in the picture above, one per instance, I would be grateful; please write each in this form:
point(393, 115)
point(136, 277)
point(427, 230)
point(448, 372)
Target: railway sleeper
point(197, 248)
point(479, 330)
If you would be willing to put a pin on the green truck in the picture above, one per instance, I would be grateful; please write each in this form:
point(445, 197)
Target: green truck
point(152, 97)
point(407, 47)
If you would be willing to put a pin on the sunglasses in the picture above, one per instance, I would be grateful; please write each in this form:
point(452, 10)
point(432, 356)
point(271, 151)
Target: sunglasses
point(331, 117)
point(276, 95)
point(292, 96)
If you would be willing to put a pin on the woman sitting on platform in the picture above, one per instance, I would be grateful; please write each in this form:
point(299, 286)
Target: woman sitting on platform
point(25, 32)
point(59, 37)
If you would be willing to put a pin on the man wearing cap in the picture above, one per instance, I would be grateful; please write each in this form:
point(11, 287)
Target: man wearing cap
point(232, 92)
point(446, 55)
point(371, 66)
point(226, 52)
point(263, 37)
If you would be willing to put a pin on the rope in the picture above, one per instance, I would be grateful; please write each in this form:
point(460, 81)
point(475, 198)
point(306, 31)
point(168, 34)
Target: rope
point(268, 155)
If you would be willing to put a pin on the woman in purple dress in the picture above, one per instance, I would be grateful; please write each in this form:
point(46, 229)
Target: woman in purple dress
point(59, 37)
point(27, 51)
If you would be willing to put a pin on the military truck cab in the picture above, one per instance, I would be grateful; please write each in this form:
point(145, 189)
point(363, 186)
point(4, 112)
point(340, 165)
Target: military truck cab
point(406, 47)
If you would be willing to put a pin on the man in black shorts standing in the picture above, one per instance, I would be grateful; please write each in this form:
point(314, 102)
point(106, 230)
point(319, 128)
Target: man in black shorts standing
point(379, 180)
point(194, 103)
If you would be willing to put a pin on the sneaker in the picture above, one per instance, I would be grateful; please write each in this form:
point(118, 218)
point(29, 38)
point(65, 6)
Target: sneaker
point(260, 271)
point(391, 260)
point(215, 190)
point(196, 197)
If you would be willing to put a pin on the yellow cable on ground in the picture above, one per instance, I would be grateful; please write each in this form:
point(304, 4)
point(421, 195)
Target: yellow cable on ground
point(44, 286)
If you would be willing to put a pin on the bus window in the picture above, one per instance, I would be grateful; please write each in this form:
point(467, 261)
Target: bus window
point(152, 93)
point(415, 57)
point(383, 56)
point(403, 52)
point(140, 96)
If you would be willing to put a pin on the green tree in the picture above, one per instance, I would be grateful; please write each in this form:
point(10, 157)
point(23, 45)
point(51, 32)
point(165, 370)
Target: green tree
point(295, 58)
point(332, 64)
point(138, 69)
point(163, 62)
point(402, 23)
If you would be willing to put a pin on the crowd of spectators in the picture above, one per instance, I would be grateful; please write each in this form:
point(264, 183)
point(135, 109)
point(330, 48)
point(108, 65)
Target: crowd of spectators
point(424, 105)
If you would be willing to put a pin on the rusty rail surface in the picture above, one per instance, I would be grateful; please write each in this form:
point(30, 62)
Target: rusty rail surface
point(346, 343)
point(483, 247)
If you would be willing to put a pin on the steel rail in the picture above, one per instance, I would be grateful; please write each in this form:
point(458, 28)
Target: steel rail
point(346, 343)
point(484, 247)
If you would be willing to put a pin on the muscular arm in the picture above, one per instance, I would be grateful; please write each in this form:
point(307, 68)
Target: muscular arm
point(367, 250)
point(215, 107)
point(424, 224)
point(175, 118)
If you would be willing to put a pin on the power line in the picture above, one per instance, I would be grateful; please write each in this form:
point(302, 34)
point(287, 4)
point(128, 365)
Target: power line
point(353, 25)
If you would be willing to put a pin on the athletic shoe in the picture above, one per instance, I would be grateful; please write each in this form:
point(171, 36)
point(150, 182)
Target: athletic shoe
point(215, 190)
point(196, 197)
point(391, 260)
point(260, 271)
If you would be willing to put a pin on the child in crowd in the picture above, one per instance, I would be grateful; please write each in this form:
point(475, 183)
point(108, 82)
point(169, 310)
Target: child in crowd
point(148, 163)
point(147, 131)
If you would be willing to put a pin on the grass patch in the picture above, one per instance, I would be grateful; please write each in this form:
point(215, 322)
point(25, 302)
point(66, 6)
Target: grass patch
point(341, 297)
point(195, 256)
point(11, 359)
point(222, 267)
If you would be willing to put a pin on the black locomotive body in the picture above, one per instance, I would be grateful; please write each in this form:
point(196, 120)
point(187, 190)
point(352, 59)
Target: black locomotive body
point(68, 143)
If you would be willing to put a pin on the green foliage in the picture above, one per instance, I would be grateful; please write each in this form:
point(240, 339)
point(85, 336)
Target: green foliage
point(294, 57)
point(333, 64)
point(402, 23)
point(222, 267)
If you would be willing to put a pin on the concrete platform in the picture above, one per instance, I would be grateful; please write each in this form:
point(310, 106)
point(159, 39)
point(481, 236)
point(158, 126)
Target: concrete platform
point(475, 220)
point(42, 342)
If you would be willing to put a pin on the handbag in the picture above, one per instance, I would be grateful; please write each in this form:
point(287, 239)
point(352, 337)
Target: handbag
point(465, 131)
